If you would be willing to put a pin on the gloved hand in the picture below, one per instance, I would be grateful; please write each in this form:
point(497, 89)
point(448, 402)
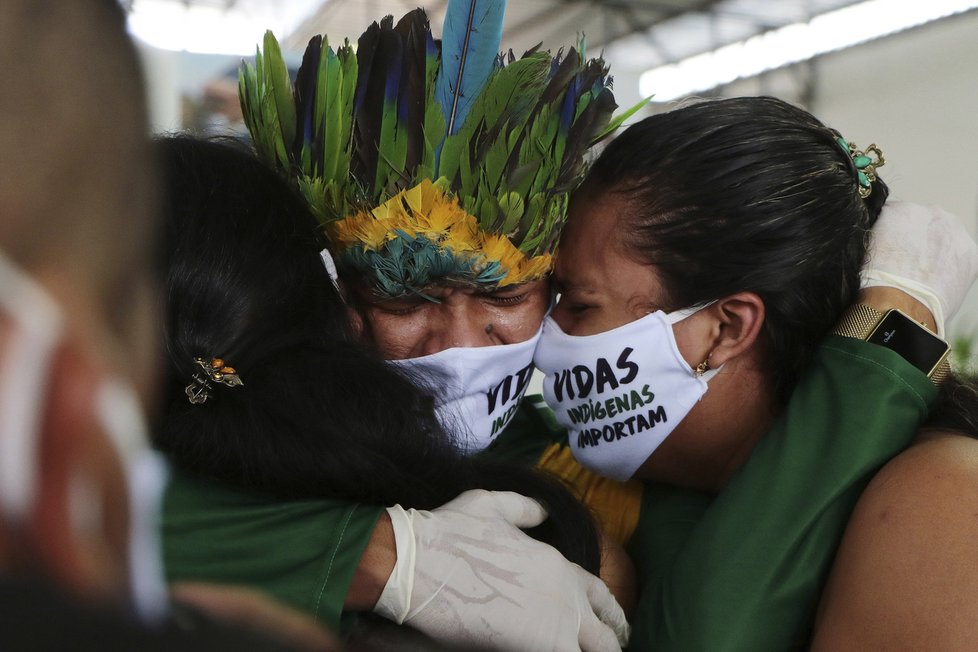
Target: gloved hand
point(926, 252)
point(466, 574)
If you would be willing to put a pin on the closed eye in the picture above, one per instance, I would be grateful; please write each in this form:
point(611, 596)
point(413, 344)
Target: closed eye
point(403, 310)
point(507, 300)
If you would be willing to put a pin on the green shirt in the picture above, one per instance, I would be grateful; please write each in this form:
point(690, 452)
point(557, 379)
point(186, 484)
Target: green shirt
point(745, 571)
point(303, 552)
point(741, 573)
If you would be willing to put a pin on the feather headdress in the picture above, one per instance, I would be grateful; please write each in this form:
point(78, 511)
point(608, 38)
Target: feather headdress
point(433, 162)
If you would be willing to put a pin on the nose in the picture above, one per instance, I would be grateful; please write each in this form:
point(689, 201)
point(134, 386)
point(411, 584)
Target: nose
point(456, 326)
point(561, 314)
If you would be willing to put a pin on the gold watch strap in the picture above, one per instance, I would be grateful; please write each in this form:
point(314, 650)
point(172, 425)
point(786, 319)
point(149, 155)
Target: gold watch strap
point(859, 321)
point(942, 371)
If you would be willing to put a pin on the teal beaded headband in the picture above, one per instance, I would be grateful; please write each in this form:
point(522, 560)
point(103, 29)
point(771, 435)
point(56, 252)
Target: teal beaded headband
point(865, 165)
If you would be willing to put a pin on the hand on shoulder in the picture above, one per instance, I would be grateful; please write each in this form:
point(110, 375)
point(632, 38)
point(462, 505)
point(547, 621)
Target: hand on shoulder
point(906, 573)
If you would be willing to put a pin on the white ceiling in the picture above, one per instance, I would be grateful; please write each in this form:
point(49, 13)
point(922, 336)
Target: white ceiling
point(633, 34)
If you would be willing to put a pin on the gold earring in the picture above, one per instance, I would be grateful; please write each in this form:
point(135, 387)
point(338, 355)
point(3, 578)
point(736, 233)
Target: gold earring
point(702, 367)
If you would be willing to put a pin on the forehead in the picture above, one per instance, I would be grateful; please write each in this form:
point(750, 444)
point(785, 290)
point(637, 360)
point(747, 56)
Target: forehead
point(593, 228)
point(438, 293)
point(592, 243)
point(593, 257)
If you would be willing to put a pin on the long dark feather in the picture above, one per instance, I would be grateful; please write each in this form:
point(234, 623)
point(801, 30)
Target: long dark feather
point(306, 140)
point(389, 66)
point(368, 106)
point(415, 34)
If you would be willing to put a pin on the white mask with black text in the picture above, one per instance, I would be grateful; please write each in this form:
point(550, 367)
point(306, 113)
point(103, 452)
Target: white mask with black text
point(477, 389)
point(26, 365)
point(619, 393)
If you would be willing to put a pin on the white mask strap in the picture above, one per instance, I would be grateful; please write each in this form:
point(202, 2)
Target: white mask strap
point(25, 364)
point(330, 266)
point(710, 373)
point(677, 316)
point(121, 418)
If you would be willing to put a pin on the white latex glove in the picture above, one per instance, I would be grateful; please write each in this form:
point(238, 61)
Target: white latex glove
point(467, 575)
point(926, 252)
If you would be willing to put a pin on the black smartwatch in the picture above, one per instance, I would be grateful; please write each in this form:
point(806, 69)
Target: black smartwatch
point(897, 331)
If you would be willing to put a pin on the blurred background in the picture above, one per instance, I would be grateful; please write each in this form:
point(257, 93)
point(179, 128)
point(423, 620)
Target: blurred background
point(899, 73)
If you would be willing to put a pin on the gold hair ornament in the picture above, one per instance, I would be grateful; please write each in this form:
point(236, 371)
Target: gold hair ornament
point(199, 390)
point(865, 165)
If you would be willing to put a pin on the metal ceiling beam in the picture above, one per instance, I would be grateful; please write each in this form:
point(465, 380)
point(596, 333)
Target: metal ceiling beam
point(636, 25)
point(531, 23)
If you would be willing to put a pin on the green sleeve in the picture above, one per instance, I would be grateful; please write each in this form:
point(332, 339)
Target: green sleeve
point(747, 571)
point(303, 553)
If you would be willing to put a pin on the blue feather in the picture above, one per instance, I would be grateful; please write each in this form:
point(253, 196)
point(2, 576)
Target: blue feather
point(470, 43)
point(569, 109)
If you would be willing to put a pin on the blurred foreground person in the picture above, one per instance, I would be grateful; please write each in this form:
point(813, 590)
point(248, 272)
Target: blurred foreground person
point(79, 564)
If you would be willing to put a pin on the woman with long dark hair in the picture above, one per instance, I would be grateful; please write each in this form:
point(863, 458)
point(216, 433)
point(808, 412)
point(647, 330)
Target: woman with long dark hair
point(707, 256)
point(275, 419)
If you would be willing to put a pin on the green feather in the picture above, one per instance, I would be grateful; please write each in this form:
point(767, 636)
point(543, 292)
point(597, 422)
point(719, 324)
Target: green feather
point(512, 207)
point(280, 87)
point(327, 77)
point(344, 118)
point(619, 119)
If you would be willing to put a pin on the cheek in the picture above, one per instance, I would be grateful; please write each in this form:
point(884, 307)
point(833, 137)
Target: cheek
point(521, 322)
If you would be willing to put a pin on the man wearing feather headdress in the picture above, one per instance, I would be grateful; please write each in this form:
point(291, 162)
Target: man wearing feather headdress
point(441, 171)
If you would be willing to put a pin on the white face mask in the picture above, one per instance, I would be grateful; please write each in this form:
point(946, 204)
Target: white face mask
point(25, 369)
point(619, 393)
point(477, 389)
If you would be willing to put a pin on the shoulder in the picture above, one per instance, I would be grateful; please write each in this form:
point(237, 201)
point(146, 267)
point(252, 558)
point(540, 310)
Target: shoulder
point(906, 573)
point(935, 478)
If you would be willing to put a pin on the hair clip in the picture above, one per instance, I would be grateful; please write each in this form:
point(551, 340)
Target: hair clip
point(865, 165)
point(198, 391)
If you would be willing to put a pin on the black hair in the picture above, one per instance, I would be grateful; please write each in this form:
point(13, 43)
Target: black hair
point(745, 194)
point(317, 414)
point(956, 408)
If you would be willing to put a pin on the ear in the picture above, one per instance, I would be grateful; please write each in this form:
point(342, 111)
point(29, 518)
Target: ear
point(358, 323)
point(80, 522)
point(738, 319)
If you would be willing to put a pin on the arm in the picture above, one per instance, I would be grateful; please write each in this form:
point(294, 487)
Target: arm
point(303, 553)
point(467, 574)
point(905, 577)
point(244, 609)
point(748, 573)
point(374, 568)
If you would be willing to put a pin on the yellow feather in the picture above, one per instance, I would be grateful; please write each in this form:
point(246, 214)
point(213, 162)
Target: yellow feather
point(426, 209)
point(529, 269)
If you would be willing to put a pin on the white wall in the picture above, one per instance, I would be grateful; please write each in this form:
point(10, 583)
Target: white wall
point(915, 94)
